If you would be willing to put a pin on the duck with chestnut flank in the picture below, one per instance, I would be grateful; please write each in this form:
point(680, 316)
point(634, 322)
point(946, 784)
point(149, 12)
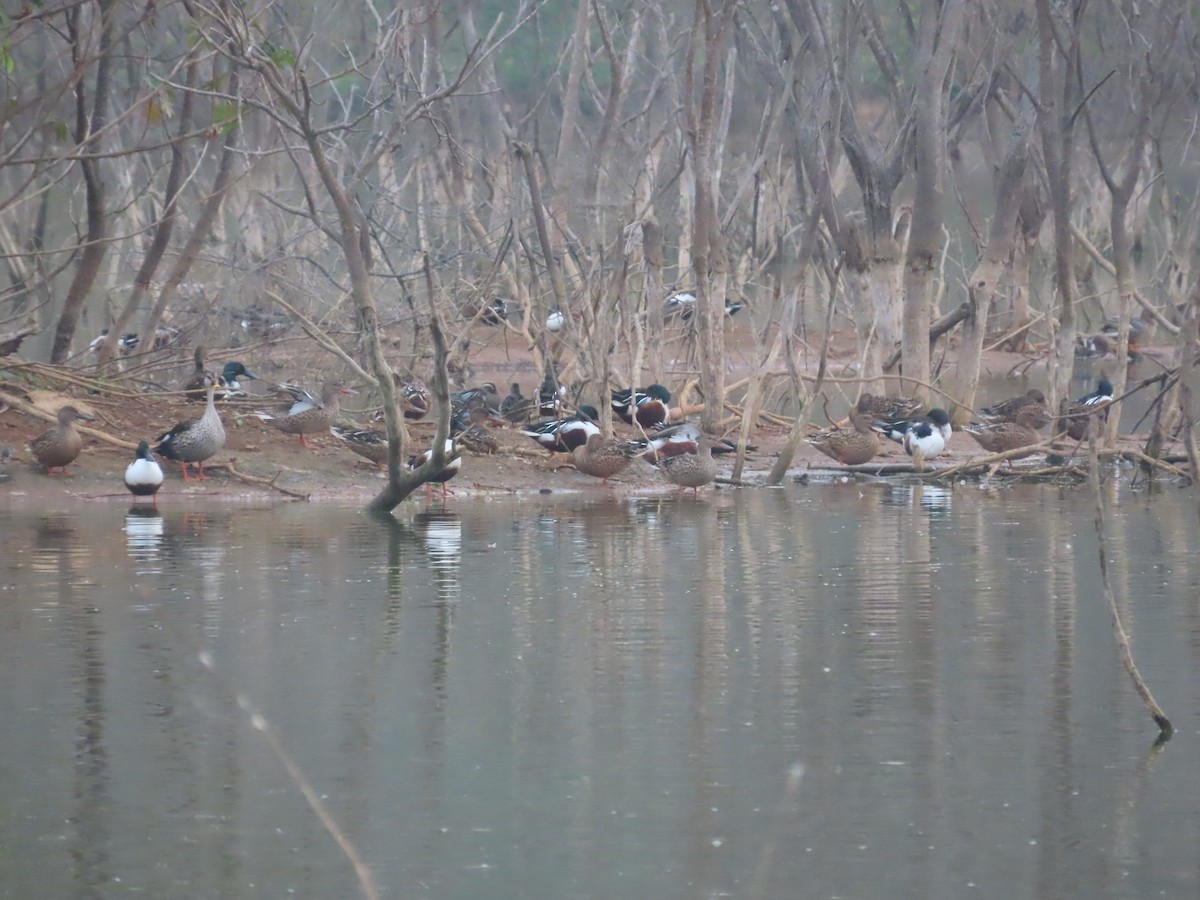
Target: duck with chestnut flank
point(307, 414)
point(649, 404)
point(1074, 417)
point(369, 443)
point(197, 439)
point(564, 435)
point(58, 447)
point(448, 471)
point(923, 438)
point(675, 440)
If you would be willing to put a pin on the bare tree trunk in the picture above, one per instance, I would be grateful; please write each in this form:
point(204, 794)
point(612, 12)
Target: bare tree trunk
point(981, 286)
point(87, 126)
point(565, 164)
point(1056, 124)
point(936, 42)
point(708, 251)
point(162, 231)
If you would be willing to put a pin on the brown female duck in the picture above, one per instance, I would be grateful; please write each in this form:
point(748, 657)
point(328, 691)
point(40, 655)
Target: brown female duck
point(692, 470)
point(1007, 410)
point(850, 447)
point(1001, 437)
point(600, 458)
point(307, 414)
point(58, 447)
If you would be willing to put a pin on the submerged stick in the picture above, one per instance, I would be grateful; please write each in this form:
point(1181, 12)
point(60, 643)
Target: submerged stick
point(1165, 728)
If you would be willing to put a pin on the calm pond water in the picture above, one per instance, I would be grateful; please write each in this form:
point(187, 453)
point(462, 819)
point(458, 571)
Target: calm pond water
point(838, 690)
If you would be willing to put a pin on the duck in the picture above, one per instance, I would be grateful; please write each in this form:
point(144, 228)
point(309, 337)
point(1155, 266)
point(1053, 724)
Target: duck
point(1142, 327)
point(564, 435)
point(195, 386)
point(448, 471)
point(144, 476)
point(1007, 410)
point(414, 400)
point(484, 395)
point(922, 439)
point(551, 396)
point(369, 443)
point(650, 404)
point(229, 385)
point(515, 407)
point(1091, 346)
point(1073, 418)
point(683, 306)
point(887, 408)
point(197, 439)
point(849, 446)
point(600, 457)
point(469, 428)
point(1000, 437)
point(675, 440)
point(692, 470)
point(555, 320)
point(58, 447)
point(307, 414)
point(125, 343)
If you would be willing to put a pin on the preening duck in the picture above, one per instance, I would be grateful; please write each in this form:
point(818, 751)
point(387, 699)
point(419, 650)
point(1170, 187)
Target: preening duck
point(849, 446)
point(600, 458)
point(447, 472)
point(1000, 437)
point(922, 439)
point(307, 414)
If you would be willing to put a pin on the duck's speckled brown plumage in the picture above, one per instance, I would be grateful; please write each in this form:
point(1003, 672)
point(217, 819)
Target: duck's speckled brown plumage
point(599, 457)
point(849, 446)
point(1001, 437)
point(58, 447)
point(369, 443)
point(308, 415)
point(1007, 410)
point(887, 407)
point(692, 470)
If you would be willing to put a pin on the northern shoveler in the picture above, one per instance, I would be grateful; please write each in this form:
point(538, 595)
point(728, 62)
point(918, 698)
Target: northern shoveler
point(675, 440)
point(683, 306)
point(692, 470)
point(1000, 437)
point(551, 396)
point(555, 320)
point(125, 343)
point(600, 458)
point(144, 476)
point(1074, 417)
point(564, 435)
point(448, 471)
point(651, 405)
point(1007, 410)
point(1091, 346)
point(1141, 328)
point(197, 439)
point(922, 439)
point(849, 446)
point(58, 447)
point(307, 414)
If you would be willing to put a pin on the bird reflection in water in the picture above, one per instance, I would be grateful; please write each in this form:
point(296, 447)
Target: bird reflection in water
point(144, 536)
point(441, 533)
point(929, 498)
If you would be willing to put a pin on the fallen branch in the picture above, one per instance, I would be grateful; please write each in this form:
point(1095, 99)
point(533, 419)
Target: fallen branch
point(31, 410)
point(1165, 729)
point(268, 483)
